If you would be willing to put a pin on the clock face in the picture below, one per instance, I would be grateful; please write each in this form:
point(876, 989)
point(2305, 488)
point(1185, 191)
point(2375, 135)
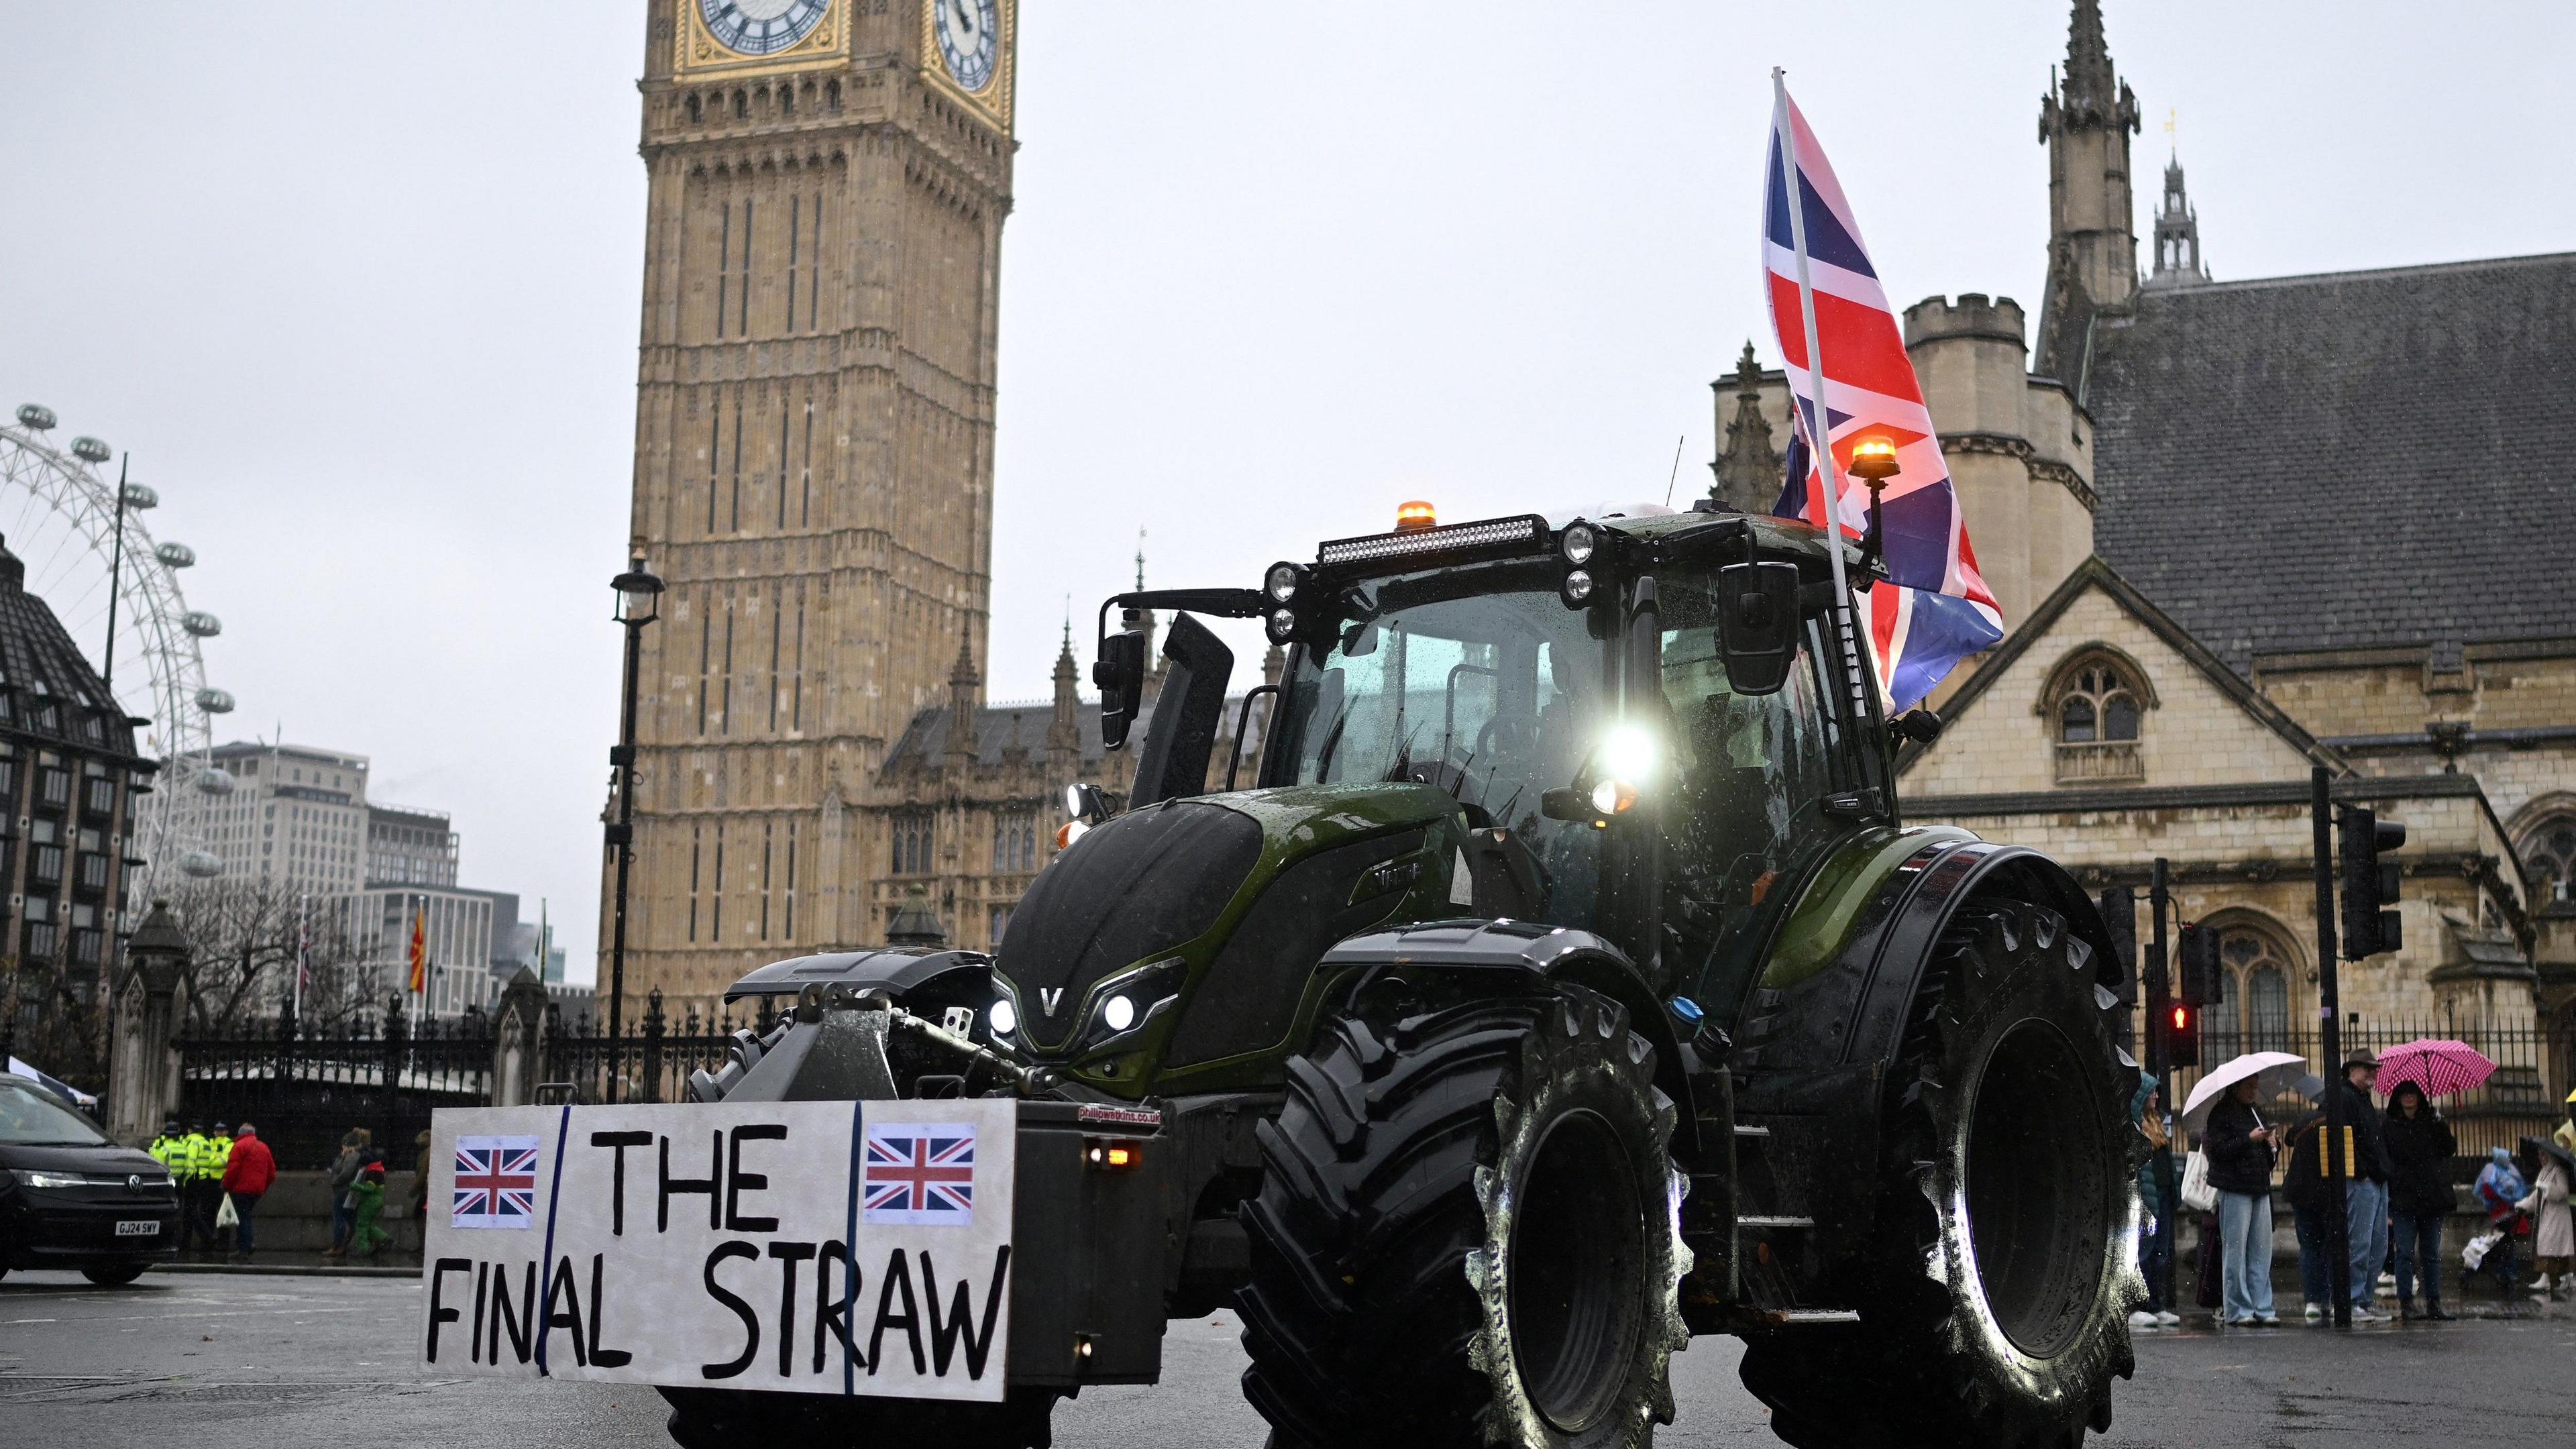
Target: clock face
point(761, 27)
point(969, 38)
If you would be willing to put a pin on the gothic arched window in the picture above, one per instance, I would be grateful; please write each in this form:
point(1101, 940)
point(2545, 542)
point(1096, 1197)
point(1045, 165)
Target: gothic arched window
point(2095, 706)
point(2260, 979)
point(2549, 858)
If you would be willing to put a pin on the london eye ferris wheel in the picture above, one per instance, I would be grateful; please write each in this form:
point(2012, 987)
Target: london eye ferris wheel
point(84, 534)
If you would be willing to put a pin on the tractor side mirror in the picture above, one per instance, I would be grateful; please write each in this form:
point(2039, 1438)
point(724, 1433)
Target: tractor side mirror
point(1120, 674)
point(1187, 711)
point(1758, 624)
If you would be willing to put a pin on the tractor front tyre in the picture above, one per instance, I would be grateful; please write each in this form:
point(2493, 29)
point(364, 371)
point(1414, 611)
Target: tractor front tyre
point(1467, 1232)
point(2001, 1260)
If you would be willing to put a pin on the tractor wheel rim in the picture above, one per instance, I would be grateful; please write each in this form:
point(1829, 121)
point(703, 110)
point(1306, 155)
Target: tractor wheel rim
point(1577, 1250)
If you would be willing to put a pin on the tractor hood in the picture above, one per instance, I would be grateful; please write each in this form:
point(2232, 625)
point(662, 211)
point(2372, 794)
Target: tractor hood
point(1206, 916)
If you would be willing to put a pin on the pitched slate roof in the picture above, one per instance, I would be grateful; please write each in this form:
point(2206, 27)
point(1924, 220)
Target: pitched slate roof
point(2351, 460)
point(924, 742)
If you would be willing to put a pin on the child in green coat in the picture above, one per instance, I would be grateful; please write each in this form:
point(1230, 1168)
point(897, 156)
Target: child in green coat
point(368, 1194)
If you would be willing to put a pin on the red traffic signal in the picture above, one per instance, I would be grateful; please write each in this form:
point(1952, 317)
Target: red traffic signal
point(2181, 1026)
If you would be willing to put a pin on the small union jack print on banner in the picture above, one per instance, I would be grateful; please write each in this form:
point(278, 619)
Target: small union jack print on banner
point(920, 1174)
point(496, 1182)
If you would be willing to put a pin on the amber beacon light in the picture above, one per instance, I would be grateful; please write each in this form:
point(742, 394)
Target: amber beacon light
point(1415, 516)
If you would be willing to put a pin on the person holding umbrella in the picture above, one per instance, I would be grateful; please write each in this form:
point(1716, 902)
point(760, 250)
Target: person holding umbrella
point(2553, 1229)
point(2239, 1146)
point(2420, 1145)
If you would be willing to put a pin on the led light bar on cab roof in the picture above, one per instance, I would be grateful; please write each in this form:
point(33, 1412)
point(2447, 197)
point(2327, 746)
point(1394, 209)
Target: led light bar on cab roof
point(1500, 535)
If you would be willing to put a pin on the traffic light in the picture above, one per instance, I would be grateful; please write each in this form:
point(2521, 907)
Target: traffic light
point(2181, 1027)
point(2204, 983)
point(2370, 884)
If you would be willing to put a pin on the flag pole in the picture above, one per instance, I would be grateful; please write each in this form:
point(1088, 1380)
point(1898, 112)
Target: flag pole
point(1819, 433)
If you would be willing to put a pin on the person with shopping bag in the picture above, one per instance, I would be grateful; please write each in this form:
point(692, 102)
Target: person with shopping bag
point(2156, 1236)
point(248, 1173)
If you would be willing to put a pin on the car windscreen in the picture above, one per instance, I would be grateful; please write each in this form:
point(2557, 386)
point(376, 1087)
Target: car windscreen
point(30, 1116)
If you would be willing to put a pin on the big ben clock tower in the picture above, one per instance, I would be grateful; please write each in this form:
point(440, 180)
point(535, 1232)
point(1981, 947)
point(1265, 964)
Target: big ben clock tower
point(813, 447)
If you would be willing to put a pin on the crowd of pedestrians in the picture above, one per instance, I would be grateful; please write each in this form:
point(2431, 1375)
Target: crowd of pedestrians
point(2398, 1194)
point(221, 1176)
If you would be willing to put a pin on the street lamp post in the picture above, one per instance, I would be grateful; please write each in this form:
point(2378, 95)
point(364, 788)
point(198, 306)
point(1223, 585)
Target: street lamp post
point(639, 602)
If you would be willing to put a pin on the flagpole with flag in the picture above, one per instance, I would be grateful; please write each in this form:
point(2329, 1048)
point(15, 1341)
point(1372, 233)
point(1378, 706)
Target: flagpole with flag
point(1930, 607)
point(303, 936)
point(1820, 435)
point(420, 950)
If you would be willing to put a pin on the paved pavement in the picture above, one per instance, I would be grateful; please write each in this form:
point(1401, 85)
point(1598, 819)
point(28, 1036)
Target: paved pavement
point(277, 1362)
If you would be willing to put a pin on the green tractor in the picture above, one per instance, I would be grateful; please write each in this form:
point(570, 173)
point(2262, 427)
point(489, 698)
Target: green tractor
point(1565, 983)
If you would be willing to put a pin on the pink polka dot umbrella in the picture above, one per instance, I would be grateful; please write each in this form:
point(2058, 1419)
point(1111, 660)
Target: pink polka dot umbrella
point(2440, 1066)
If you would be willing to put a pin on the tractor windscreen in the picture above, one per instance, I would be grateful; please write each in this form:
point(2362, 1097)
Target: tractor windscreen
point(1481, 681)
point(1478, 680)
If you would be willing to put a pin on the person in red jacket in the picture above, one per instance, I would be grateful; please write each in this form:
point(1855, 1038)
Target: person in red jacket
point(247, 1174)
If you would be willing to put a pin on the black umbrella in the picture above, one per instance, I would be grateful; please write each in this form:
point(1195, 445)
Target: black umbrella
point(2534, 1148)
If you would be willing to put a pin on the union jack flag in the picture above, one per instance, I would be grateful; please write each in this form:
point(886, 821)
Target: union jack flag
point(1942, 610)
point(496, 1182)
point(920, 1174)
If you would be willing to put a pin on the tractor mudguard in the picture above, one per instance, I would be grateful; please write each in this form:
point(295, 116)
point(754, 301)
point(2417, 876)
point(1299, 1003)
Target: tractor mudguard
point(1533, 949)
point(1852, 953)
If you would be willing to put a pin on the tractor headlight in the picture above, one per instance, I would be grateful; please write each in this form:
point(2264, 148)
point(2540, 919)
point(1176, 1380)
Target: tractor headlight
point(1577, 587)
point(1281, 625)
point(1577, 543)
point(1002, 1017)
point(1118, 1013)
point(1281, 582)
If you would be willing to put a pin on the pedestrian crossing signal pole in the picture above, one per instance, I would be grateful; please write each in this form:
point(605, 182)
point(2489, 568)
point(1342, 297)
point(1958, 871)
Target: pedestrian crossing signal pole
point(2330, 1043)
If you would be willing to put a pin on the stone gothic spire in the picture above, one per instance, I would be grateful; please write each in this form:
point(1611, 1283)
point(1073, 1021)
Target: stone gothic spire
point(962, 681)
point(1749, 467)
point(1064, 732)
point(2088, 57)
point(2085, 122)
point(2178, 260)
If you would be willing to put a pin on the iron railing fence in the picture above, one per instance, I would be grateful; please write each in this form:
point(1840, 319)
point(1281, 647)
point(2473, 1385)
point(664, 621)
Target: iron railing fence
point(305, 1092)
point(2523, 1097)
point(651, 1061)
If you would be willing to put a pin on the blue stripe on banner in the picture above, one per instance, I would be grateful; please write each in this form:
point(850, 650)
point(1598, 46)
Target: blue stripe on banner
point(546, 1265)
point(850, 1245)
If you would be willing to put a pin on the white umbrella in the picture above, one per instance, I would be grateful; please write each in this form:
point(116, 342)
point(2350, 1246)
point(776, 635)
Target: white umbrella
point(2274, 1073)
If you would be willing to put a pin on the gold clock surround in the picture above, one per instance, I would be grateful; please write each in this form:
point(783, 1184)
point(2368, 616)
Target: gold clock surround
point(696, 53)
point(994, 100)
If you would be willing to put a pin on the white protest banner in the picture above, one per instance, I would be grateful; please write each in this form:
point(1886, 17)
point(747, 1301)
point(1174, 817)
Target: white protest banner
point(820, 1247)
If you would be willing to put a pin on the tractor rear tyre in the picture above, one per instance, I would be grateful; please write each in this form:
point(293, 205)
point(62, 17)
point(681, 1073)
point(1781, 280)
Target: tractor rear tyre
point(2002, 1278)
point(1467, 1231)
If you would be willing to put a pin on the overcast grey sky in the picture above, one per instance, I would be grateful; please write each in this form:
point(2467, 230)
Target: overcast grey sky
point(358, 284)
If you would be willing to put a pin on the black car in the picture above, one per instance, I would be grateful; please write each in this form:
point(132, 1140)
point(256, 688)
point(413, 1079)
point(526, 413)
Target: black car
point(70, 1198)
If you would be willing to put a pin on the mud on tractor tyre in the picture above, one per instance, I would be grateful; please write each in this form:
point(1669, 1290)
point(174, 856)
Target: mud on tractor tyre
point(1467, 1232)
point(2001, 1277)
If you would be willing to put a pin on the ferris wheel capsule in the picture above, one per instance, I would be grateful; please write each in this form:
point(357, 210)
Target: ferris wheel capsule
point(215, 701)
point(176, 555)
point(201, 623)
point(90, 450)
point(36, 416)
point(215, 780)
point(138, 496)
point(203, 864)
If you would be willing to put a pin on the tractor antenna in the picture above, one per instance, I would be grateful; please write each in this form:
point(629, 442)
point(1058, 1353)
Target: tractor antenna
point(1140, 560)
point(1677, 470)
